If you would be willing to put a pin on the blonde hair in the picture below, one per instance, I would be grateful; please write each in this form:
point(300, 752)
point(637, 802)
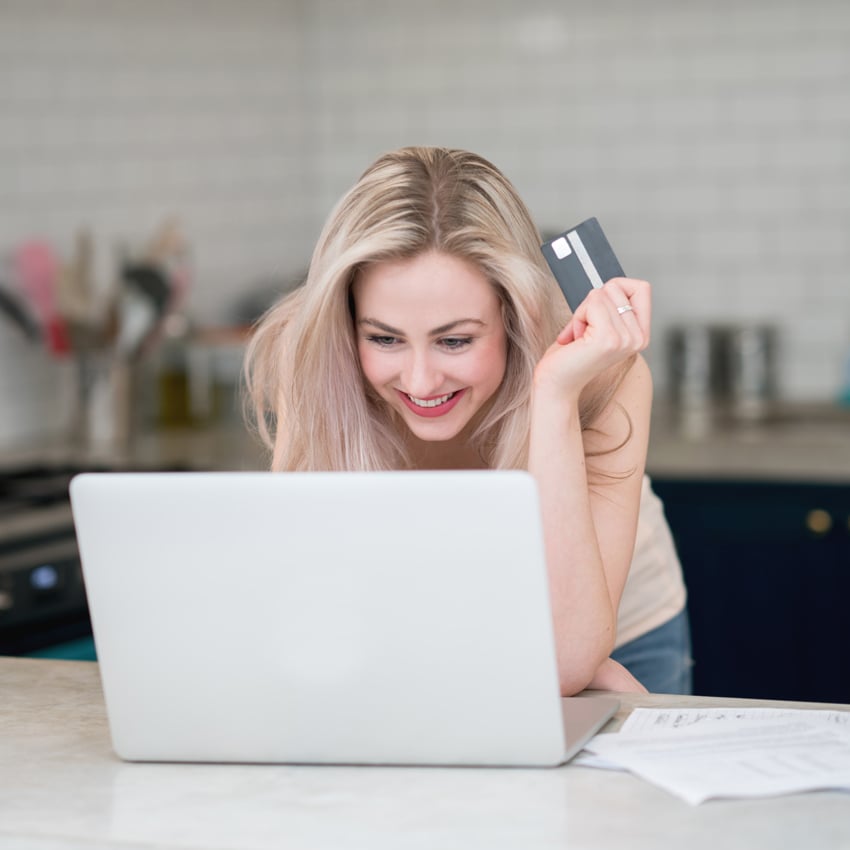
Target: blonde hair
point(310, 401)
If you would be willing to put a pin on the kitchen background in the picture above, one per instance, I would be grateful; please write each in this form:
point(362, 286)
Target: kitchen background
point(196, 146)
point(711, 140)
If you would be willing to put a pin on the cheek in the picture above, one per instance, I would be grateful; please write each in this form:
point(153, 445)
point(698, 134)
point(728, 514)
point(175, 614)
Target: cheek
point(373, 366)
point(499, 356)
point(489, 368)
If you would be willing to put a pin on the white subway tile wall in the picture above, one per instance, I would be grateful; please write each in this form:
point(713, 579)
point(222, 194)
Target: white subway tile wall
point(711, 140)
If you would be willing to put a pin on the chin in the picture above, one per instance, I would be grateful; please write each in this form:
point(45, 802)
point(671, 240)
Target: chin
point(435, 433)
point(436, 430)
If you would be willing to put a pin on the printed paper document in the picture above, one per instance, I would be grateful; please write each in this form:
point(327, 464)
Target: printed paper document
point(698, 754)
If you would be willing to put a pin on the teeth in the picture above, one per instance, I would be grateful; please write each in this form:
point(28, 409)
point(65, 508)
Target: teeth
point(431, 402)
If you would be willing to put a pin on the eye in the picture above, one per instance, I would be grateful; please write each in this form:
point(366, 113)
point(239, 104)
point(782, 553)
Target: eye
point(455, 343)
point(382, 341)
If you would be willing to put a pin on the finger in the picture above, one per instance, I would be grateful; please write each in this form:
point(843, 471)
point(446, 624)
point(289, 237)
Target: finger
point(641, 300)
point(611, 310)
point(597, 314)
point(632, 303)
point(637, 292)
point(572, 331)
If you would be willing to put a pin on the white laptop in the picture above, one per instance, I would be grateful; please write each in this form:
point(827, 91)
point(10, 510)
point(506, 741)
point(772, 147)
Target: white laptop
point(339, 618)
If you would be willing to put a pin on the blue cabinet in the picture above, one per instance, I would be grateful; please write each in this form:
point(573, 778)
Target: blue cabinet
point(767, 565)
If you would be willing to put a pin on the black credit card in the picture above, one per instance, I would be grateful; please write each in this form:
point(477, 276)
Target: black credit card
point(581, 259)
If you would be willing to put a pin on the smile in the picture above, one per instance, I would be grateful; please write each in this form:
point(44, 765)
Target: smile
point(435, 406)
point(430, 402)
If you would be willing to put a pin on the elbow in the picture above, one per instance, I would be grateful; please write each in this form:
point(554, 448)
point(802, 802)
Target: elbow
point(577, 673)
point(575, 681)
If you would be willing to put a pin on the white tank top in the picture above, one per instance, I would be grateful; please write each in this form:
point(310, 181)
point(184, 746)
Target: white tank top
point(655, 591)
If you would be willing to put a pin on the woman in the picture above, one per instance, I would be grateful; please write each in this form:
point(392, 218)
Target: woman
point(430, 334)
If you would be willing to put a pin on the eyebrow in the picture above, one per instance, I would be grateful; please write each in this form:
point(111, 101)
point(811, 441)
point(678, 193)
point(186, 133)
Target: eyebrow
point(436, 332)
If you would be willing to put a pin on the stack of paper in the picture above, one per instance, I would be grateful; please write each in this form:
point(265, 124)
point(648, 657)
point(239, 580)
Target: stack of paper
point(730, 752)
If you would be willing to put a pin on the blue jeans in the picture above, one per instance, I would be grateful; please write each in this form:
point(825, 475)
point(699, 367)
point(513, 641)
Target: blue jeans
point(661, 659)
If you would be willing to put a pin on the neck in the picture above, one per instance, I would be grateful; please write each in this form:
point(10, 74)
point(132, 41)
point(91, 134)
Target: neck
point(450, 454)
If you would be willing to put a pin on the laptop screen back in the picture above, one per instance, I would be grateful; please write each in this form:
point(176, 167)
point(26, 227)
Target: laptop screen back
point(398, 617)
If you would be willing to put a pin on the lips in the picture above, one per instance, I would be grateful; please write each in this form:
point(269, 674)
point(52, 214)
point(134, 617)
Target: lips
point(431, 402)
point(438, 405)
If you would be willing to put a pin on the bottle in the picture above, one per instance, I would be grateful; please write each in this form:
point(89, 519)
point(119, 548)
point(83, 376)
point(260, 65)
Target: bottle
point(173, 391)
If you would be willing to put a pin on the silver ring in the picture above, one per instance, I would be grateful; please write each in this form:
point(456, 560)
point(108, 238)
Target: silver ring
point(626, 308)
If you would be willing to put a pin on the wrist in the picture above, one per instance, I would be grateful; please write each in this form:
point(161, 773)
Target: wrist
point(546, 387)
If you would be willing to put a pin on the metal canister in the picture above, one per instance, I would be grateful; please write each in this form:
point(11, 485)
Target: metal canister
point(751, 365)
point(696, 373)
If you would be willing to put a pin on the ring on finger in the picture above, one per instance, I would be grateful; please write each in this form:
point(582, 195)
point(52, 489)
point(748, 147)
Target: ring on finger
point(626, 308)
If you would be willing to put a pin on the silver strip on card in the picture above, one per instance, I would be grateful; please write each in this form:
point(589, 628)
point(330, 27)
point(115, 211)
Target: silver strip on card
point(584, 259)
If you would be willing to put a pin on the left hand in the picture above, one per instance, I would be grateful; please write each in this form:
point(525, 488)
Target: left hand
point(611, 324)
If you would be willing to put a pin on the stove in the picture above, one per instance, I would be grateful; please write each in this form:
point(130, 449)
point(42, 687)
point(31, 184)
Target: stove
point(42, 596)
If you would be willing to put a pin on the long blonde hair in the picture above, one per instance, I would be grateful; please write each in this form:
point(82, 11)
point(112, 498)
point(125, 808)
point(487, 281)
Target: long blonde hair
point(310, 402)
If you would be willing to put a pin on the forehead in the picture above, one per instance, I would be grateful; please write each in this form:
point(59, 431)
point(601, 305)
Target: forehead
point(432, 282)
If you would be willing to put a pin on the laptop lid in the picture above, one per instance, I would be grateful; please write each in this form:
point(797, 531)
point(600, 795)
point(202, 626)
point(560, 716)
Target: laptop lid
point(391, 618)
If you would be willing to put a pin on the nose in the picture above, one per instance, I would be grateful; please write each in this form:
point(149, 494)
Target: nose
point(422, 376)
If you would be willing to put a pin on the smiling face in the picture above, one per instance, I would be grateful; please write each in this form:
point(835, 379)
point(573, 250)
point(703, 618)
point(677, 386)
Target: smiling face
point(431, 340)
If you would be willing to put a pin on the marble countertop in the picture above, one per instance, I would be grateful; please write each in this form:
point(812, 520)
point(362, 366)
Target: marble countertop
point(225, 447)
point(797, 443)
point(62, 788)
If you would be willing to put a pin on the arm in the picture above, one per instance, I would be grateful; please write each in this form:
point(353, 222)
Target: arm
point(616, 476)
point(589, 520)
point(612, 676)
